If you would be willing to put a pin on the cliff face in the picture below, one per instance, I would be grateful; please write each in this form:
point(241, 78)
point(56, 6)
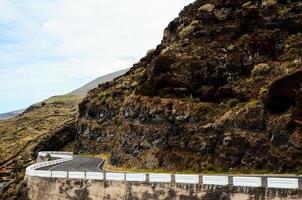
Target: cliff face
point(222, 90)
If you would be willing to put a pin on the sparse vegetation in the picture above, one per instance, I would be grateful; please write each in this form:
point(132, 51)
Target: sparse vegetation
point(269, 2)
point(243, 41)
point(224, 125)
point(64, 98)
point(232, 102)
point(263, 91)
point(261, 70)
point(22, 131)
point(252, 103)
point(293, 46)
point(188, 29)
point(19, 136)
point(283, 11)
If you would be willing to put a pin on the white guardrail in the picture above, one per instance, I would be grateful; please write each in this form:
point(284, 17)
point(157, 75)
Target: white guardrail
point(61, 157)
point(237, 181)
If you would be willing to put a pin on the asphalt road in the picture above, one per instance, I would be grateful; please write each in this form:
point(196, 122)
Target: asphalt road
point(79, 163)
point(84, 164)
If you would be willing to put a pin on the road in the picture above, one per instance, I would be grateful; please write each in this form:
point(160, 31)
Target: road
point(89, 164)
point(79, 163)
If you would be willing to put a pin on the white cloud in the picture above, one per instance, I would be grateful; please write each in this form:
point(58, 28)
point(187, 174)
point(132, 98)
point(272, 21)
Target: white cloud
point(66, 43)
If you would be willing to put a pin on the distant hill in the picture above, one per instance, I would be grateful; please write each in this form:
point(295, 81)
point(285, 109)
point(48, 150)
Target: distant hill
point(82, 91)
point(11, 114)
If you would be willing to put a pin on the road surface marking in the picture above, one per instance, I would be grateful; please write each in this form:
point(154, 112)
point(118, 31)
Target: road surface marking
point(98, 167)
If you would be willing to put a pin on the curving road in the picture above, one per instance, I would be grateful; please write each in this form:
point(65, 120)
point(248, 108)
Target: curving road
point(90, 164)
point(79, 163)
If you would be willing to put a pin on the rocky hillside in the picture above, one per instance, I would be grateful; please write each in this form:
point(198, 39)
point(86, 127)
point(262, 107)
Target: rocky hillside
point(221, 92)
point(49, 125)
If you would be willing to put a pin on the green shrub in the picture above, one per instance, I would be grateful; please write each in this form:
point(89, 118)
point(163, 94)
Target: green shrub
point(261, 70)
point(232, 103)
point(244, 41)
point(188, 29)
point(269, 2)
point(263, 91)
point(210, 167)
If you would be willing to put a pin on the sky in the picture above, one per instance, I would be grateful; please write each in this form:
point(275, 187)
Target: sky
point(51, 47)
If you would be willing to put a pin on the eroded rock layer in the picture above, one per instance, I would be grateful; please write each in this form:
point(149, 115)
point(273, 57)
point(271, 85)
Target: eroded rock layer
point(222, 91)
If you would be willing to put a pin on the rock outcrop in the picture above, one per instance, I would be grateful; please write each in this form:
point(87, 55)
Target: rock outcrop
point(221, 92)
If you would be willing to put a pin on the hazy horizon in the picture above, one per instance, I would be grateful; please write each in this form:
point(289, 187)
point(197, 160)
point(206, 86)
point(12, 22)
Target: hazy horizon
point(53, 47)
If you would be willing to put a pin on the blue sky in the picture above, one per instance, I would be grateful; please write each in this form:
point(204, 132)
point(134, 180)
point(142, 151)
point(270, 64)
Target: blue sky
point(51, 47)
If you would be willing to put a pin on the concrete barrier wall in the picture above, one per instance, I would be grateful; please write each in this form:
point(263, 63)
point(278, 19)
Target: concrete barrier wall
point(136, 177)
point(77, 175)
point(62, 157)
point(95, 175)
point(215, 180)
point(41, 173)
point(286, 183)
point(59, 174)
point(66, 189)
point(189, 179)
point(115, 176)
point(55, 153)
point(247, 181)
point(238, 181)
point(160, 178)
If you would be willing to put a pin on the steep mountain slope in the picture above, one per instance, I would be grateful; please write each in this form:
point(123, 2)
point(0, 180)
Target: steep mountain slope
point(221, 92)
point(47, 125)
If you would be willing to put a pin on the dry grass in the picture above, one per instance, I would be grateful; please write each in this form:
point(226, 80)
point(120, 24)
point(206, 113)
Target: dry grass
point(19, 135)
